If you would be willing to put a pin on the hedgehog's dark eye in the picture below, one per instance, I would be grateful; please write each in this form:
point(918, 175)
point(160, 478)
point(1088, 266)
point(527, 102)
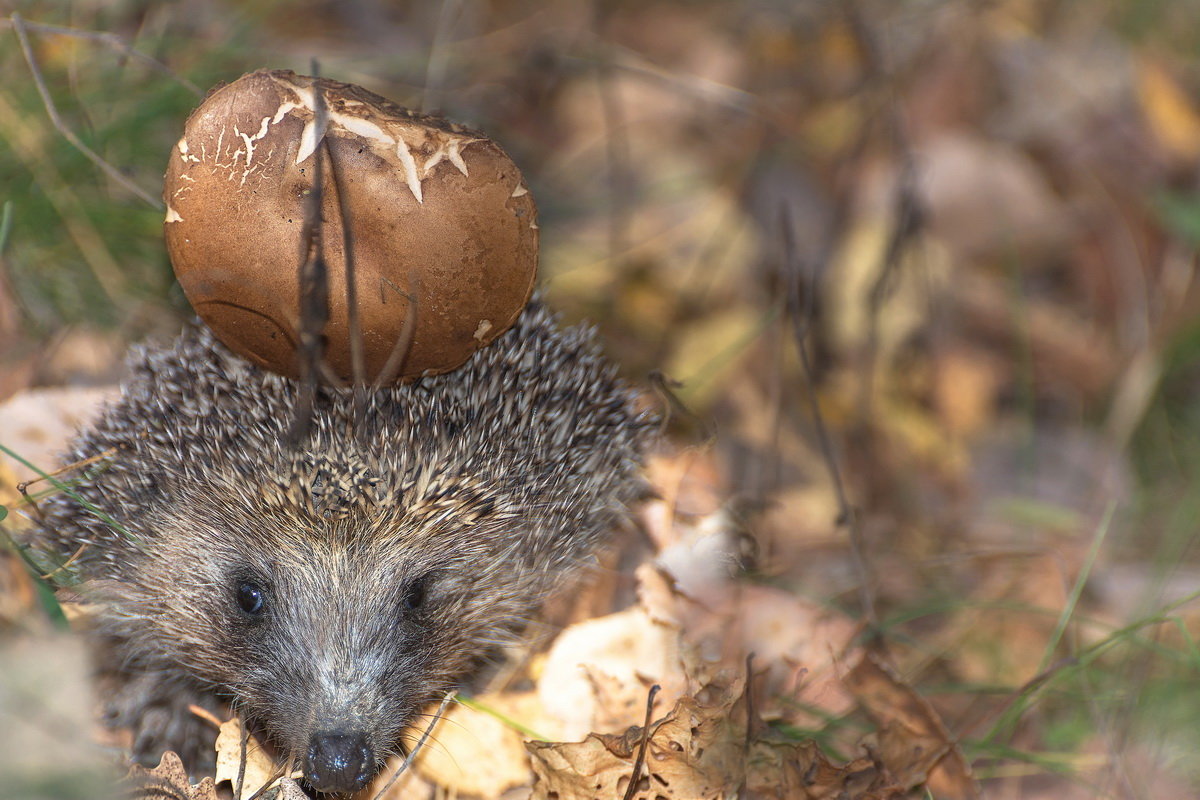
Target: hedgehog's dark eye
point(414, 592)
point(252, 598)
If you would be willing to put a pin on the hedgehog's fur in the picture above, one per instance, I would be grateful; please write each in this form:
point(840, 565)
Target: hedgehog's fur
point(393, 555)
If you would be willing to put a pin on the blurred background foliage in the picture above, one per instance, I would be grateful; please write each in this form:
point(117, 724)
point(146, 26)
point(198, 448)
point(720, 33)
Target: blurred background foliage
point(981, 219)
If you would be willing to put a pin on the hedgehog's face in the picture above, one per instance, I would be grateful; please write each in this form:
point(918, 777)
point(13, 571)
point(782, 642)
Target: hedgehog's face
point(332, 642)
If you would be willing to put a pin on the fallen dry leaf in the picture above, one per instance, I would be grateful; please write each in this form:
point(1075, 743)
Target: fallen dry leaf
point(168, 779)
point(703, 559)
point(260, 767)
point(795, 642)
point(913, 743)
point(700, 751)
point(1066, 349)
point(474, 753)
point(289, 789)
point(800, 771)
point(690, 755)
point(631, 648)
point(407, 785)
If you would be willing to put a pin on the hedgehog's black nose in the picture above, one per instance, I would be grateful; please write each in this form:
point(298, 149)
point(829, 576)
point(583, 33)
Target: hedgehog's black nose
point(338, 762)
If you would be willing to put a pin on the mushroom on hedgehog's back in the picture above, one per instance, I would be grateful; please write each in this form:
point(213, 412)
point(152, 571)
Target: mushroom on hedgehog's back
point(436, 212)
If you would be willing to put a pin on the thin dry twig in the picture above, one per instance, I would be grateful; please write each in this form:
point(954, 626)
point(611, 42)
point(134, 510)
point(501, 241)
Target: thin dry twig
point(358, 370)
point(665, 387)
point(801, 317)
point(400, 350)
point(66, 564)
point(114, 41)
point(204, 714)
point(907, 213)
point(267, 784)
point(23, 486)
point(640, 761)
point(112, 172)
point(313, 280)
point(420, 743)
point(243, 757)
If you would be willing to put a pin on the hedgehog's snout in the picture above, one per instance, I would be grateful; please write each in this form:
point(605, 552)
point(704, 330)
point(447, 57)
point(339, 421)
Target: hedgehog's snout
point(338, 762)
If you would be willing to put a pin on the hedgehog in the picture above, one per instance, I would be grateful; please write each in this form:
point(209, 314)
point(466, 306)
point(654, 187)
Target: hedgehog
point(329, 590)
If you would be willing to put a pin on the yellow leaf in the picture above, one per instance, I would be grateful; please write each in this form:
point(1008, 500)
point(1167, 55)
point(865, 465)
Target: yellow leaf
point(260, 768)
point(1169, 111)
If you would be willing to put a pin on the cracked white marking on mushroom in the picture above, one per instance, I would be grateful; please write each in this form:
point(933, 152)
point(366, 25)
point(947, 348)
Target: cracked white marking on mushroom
point(482, 329)
point(451, 150)
point(249, 142)
point(410, 170)
point(520, 191)
point(305, 93)
point(283, 110)
point(249, 151)
point(456, 156)
point(184, 155)
point(433, 161)
point(310, 137)
point(449, 147)
point(363, 127)
point(173, 215)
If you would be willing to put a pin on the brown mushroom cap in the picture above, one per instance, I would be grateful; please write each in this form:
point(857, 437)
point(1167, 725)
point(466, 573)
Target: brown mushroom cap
point(437, 212)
